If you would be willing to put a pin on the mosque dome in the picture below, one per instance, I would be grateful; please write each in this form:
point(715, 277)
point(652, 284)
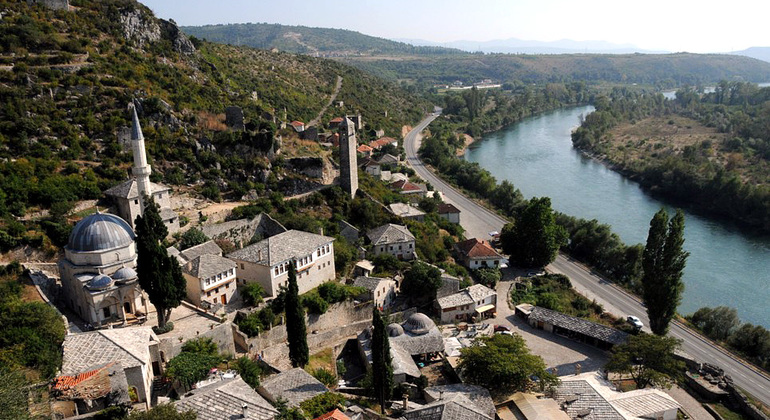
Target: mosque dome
point(419, 323)
point(100, 231)
point(394, 330)
point(100, 282)
point(125, 273)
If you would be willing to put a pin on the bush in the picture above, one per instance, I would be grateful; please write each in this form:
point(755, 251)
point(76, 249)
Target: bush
point(325, 376)
point(192, 237)
point(189, 368)
point(487, 276)
point(168, 327)
point(314, 303)
point(252, 294)
point(322, 404)
point(249, 371)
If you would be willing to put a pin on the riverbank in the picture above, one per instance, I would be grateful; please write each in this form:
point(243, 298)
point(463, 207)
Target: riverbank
point(468, 140)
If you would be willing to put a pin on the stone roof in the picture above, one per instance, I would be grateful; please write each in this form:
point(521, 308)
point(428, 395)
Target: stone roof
point(370, 283)
point(466, 296)
point(388, 159)
point(400, 359)
point(207, 265)
point(456, 408)
point(582, 326)
point(99, 232)
point(644, 403)
point(388, 234)
point(167, 214)
point(294, 385)
point(281, 247)
point(535, 408)
point(475, 248)
point(446, 208)
point(129, 346)
point(130, 190)
point(405, 210)
point(224, 400)
point(430, 342)
point(208, 247)
point(579, 398)
point(478, 395)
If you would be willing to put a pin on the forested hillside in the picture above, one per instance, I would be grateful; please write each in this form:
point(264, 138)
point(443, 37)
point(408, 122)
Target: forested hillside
point(304, 40)
point(67, 78)
point(662, 70)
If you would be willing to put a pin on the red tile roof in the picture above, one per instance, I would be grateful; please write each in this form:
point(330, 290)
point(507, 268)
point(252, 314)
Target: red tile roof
point(445, 208)
point(382, 142)
point(333, 415)
point(475, 248)
point(65, 382)
point(405, 186)
point(336, 120)
point(296, 123)
point(364, 148)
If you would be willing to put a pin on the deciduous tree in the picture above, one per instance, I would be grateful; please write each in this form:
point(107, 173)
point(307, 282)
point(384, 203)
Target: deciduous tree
point(421, 282)
point(648, 359)
point(663, 262)
point(296, 330)
point(535, 238)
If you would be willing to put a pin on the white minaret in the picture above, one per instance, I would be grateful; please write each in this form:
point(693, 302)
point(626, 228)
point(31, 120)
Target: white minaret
point(141, 169)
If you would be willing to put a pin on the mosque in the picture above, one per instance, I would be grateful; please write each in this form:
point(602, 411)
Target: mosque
point(99, 280)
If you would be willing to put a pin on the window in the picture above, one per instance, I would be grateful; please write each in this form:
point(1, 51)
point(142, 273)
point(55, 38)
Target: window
point(276, 270)
point(399, 247)
point(208, 293)
point(106, 312)
point(227, 286)
point(136, 201)
point(410, 246)
point(318, 253)
point(242, 266)
point(216, 290)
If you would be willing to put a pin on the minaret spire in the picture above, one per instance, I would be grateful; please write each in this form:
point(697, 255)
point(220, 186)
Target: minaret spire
point(141, 169)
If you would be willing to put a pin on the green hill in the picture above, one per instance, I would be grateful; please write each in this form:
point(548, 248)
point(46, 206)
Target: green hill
point(67, 77)
point(655, 69)
point(323, 42)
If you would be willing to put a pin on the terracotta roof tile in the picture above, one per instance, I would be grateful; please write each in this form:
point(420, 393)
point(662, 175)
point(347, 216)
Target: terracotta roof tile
point(475, 248)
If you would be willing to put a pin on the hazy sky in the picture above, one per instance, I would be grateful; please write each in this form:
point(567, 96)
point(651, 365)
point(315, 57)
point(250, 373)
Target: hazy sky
point(670, 25)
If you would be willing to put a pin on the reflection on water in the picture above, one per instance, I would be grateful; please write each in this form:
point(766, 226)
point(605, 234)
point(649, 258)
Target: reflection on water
point(726, 265)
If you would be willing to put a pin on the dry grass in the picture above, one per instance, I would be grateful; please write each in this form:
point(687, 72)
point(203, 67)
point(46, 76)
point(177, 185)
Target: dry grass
point(323, 359)
point(209, 121)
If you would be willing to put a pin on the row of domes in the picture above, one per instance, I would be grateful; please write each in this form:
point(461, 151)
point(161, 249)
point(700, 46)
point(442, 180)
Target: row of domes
point(103, 281)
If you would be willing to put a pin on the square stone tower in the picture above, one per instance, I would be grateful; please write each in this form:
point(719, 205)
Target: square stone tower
point(348, 161)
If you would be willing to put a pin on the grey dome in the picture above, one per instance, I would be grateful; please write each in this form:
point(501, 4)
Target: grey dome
point(419, 323)
point(100, 282)
point(394, 330)
point(100, 231)
point(125, 273)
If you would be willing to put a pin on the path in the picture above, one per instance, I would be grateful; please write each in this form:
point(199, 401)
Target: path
point(337, 88)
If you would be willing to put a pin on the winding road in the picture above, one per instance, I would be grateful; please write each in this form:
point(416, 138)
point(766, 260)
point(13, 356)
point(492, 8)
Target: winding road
point(479, 221)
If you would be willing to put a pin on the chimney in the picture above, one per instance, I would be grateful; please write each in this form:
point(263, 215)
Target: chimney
point(244, 410)
point(406, 401)
point(440, 395)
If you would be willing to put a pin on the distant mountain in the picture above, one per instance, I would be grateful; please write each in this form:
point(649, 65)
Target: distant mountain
point(319, 42)
point(760, 53)
point(520, 46)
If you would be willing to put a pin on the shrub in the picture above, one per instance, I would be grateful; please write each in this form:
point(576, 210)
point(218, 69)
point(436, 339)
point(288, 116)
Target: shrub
point(249, 371)
point(325, 376)
point(252, 293)
point(168, 327)
point(314, 303)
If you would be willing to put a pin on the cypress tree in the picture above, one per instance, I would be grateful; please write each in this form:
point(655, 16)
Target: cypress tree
point(382, 370)
point(160, 275)
point(296, 330)
point(663, 262)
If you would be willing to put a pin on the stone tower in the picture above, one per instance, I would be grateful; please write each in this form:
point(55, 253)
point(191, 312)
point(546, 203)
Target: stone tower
point(348, 162)
point(141, 169)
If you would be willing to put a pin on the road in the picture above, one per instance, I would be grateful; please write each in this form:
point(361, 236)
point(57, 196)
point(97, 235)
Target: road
point(478, 222)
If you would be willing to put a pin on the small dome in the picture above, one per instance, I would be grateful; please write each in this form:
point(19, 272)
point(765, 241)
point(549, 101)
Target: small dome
point(100, 231)
point(419, 323)
point(125, 273)
point(100, 282)
point(394, 330)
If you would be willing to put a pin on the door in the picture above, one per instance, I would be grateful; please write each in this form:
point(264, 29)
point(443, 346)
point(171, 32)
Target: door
point(224, 299)
point(127, 307)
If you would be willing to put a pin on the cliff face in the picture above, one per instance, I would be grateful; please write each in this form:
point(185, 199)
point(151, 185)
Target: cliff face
point(141, 28)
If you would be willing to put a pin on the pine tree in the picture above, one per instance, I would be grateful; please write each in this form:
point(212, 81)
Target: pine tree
point(663, 262)
point(382, 370)
point(160, 275)
point(295, 322)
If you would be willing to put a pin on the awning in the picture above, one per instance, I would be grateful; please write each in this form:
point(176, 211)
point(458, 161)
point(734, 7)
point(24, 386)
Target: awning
point(482, 309)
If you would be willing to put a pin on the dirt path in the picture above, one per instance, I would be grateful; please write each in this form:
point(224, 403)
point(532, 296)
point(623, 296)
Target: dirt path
point(337, 88)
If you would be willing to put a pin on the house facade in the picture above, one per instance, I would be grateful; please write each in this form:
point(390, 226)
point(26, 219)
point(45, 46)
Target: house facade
point(267, 262)
point(475, 253)
point(449, 212)
point(393, 239)
point(210, 280)
point(477, 301)
point(380, 290)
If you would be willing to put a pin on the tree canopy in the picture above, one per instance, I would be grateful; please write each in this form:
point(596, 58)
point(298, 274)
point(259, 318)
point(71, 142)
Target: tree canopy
point(648, 359)
point(663, 262)
point(296, 330)
point(535, 238)
point(503, 364)
point(192, 237)
point(159, 274)
point(421, 282)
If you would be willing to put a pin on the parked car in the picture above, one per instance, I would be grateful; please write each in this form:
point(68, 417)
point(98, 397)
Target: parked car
point(499, 328)
point(536, 273)
point(635, 321)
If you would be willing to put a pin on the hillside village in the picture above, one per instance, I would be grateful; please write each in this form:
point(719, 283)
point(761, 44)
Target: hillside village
point(355, 241)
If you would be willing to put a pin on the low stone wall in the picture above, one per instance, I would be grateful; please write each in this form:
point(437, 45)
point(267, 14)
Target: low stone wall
point(221, 334)
point(742, 403)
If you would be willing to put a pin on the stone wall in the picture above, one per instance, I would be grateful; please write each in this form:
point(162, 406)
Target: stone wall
point(308, 166)
point(222, 334)
point(240, 232)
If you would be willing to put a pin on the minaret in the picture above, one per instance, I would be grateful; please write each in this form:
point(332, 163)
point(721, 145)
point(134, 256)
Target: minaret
point(348, 162)
point(141, 169)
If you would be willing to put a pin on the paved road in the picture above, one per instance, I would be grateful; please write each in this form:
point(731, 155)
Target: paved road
point(478, 222)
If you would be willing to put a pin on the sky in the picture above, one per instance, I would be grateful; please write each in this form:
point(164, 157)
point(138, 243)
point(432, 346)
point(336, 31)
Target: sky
point(661, 25)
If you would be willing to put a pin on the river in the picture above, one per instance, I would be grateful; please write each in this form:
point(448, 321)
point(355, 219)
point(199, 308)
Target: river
point(727, 266)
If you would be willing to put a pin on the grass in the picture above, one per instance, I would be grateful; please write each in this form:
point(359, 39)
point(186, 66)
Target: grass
point(726, 413)
point(323, 359)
